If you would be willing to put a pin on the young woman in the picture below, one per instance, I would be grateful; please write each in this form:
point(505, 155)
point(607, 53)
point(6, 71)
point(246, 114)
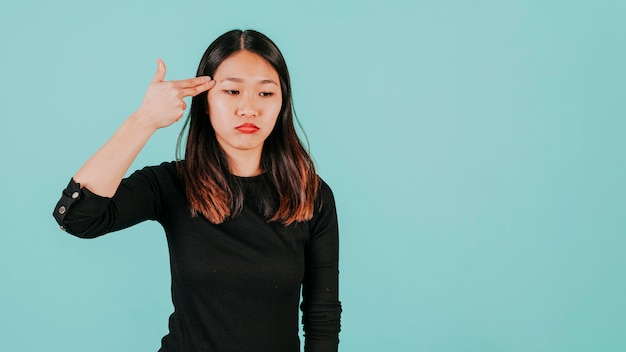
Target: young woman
point(249, 224)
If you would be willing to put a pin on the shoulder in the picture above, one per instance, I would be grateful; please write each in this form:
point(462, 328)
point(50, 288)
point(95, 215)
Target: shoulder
point(159, 176)
point(324, 203)
point(324, 222)
point(163, 170)
point(325, 196)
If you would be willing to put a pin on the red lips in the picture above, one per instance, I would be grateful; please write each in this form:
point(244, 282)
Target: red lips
point(247, 128)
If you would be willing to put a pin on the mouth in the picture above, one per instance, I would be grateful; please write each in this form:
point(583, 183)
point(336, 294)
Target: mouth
point(247, 128)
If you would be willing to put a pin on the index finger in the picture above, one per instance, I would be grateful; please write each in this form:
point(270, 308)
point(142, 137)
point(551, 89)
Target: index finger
point(191, 82)
point(193, 91)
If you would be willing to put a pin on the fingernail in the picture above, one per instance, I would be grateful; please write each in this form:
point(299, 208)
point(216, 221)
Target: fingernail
point(212, 83)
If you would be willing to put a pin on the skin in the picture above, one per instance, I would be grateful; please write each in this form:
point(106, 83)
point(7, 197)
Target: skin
point(247, 91)
point(162, 106)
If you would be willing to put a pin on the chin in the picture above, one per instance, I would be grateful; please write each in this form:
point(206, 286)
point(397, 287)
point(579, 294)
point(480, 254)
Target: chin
point(247, 146)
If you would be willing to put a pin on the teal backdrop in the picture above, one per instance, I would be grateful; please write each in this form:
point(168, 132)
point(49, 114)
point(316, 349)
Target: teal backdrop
point(476, 150)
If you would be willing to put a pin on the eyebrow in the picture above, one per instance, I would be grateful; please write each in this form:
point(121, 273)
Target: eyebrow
point(240, 80)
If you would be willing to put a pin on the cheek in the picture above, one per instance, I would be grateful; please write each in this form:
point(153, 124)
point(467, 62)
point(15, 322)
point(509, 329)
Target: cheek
point(215, 105)
point(275, 108)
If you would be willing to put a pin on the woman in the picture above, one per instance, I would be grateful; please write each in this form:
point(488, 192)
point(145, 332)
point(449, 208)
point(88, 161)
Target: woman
point(248, 222)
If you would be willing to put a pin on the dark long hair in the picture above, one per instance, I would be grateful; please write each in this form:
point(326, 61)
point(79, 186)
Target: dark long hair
point(211, 189)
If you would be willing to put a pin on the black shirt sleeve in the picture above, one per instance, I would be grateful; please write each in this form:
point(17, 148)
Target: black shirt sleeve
point(86, 214)
point(321, 309)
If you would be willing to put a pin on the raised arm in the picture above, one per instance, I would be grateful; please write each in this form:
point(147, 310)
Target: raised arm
point(162, 106)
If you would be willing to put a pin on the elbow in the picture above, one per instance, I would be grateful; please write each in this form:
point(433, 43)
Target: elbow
point(80, 229)
point(74, 216)
point(80, 226)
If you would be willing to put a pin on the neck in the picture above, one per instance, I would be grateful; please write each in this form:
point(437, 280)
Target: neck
point(245, 163)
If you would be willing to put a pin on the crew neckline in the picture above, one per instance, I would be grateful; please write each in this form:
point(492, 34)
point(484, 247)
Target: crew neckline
point(249, 178)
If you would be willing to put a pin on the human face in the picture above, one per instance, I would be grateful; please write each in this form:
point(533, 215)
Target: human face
point(244, 104)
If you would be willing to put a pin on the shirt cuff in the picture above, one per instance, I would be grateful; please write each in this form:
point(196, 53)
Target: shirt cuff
point(82, 201)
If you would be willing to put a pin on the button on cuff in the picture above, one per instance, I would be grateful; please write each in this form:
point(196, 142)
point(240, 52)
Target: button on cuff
point(71, 194)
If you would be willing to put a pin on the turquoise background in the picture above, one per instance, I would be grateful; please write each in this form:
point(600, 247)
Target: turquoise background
point(476, 150)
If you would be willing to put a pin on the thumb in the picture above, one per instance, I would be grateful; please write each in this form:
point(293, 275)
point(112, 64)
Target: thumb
point(160, 73)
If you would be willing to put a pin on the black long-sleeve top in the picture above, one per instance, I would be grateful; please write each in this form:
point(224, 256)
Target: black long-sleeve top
point(236, 285)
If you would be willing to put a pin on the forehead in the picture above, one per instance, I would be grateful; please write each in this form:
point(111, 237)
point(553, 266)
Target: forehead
point(246, 65)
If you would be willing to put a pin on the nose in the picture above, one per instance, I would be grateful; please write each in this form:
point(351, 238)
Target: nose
point(247, 106)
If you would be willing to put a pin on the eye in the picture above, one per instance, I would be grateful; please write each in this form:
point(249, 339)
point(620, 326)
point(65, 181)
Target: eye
point(231, 91)
point(266, 94)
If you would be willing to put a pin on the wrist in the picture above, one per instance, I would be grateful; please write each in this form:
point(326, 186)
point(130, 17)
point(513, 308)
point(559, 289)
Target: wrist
point(139, 120)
